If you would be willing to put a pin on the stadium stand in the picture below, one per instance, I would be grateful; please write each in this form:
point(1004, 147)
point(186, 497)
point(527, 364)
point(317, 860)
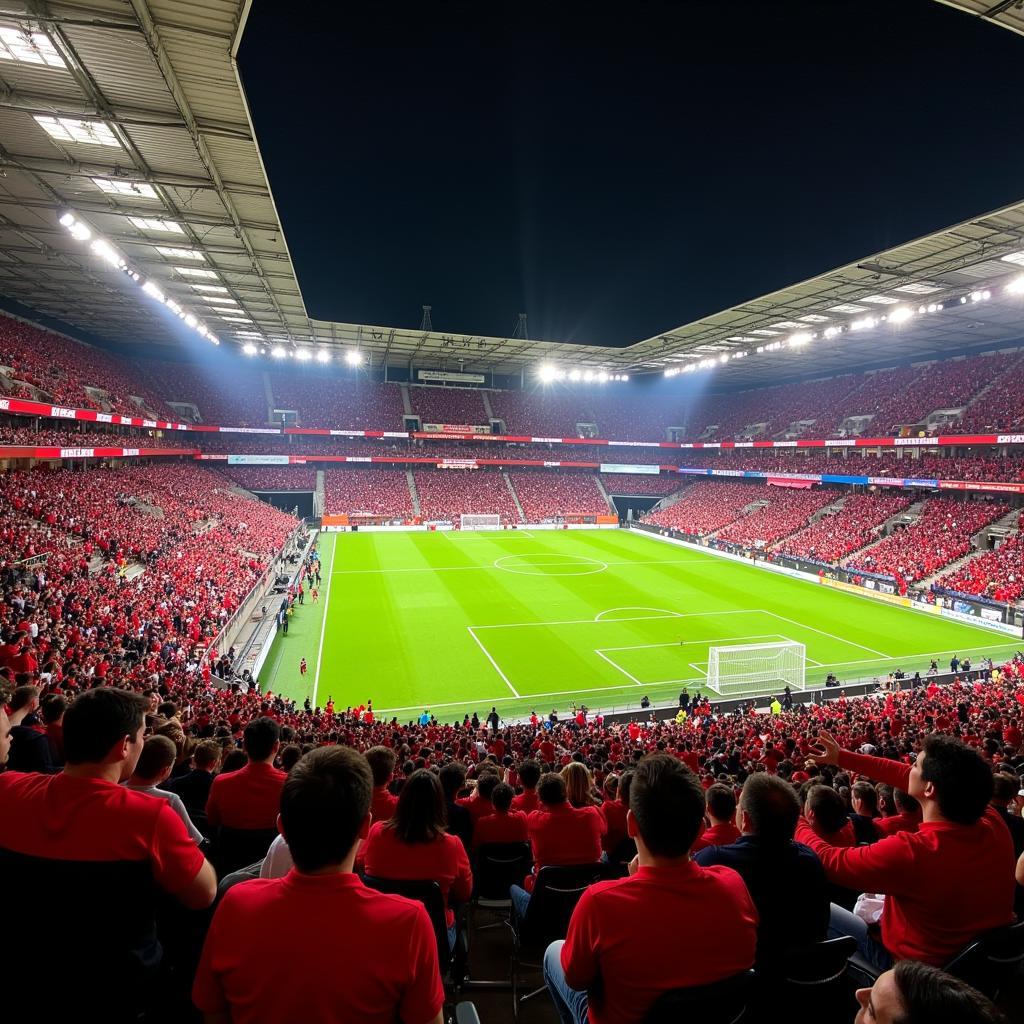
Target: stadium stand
point(544, 494)
point(368, 490)
point(453, 406)
point(329, 399)
point(273, 478)
point(788, 509)
point(997, 574)
point(540, 413)
point(235, 398)
point(642, 483)
point(709, 506)
point(445, 495)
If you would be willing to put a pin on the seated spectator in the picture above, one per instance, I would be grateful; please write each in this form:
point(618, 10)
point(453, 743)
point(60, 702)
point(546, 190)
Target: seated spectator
point(559, 834)
point(380, 964)
point(52, 710)
point(864, 801)
point(784, 878)
point(914, 993)
point(415, 845)
point(1004, 789)
point(478, 803)
point(460, 824)
point(826, 815)
point(30, 747)
point(382, 764)
point(194, 786)
point(721, 812)
point(152, 770)
point(625, 945)
point(89, 858)
point(504, 825)
point(579, 785)
point(906, 819)
point(529, 776)
point(614, 812)
point(250, 798)
point(930, 913)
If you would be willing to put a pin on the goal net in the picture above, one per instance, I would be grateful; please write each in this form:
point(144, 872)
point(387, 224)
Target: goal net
point(754, 669)
point(479, 522)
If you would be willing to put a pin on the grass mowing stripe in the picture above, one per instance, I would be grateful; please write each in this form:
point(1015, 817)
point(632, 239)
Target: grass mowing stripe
point(323, 625)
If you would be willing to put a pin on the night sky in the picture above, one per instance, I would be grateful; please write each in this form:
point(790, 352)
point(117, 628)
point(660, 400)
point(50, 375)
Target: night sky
point(615, 171)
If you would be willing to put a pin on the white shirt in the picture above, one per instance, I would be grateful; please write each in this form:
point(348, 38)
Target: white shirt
point(176, 805)
point(278, 861)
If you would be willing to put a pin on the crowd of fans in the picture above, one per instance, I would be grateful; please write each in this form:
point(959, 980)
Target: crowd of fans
point(368, 490)
point(445, 495)
point(787, 510)
point(225, 390)
point(543, 494)
point(659, 485)
point(453, 406)
point(847, 529)
point(998, 574)
point(330, 398)
point(25, 436)
point(711, 505)
point(941, 535)
point(273, 478)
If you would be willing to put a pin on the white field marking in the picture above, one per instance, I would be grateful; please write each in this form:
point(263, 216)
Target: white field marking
point(636, 608)
point(637, 618)
point(790, 640)
point(482, 534)
point(487, 654)
point(323, 628)
point(616, 665)
point(813, 629)
point(462, 568)
point(472, 701)
point(523, 569)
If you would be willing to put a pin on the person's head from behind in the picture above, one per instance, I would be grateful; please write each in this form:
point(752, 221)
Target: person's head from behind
point(953, 778)
point(5, 726)
point(155, 762)
point(420, 815)
point(551, 789)
point(915, 993)
point(382, 765)
point(206, 756)
point(453, 779)
point(905, 803)
point(824, 810)
point(486, 784)
point(529, 773)
point(262, 737)
point(721, 803)
point(103, 729)
point(502, 797)
point(864, 799)
point(325, 808)
point(769, 808)
point(666, 808)
point(625, 782)
point(1004, 788)
point(578, 784)
point(53, 708)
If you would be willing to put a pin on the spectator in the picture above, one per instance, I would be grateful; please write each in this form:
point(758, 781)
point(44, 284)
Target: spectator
point(721, 812)
point(529, 776)
point(929, 913)
point(624, 946)
point(194, 786)
point(914, 993)
point(478, 804)
point(460, 823)
point(579, 786)
point(52, 710)
point(864, 800)
point(415, 845)
point(382, 765)
point(151, 770)
point(30, 748)
point(826, 815)
point(906, 819)
point(250, 797)
point(1004, 788)
point(504, 825)
point(785, 879)
point(85, 853)
point(614, 812)
point(380, 967)
point(5, 730)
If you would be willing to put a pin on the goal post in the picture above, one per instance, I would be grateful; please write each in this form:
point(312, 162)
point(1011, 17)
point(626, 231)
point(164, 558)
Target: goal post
point(742, 669)
point(479, 521)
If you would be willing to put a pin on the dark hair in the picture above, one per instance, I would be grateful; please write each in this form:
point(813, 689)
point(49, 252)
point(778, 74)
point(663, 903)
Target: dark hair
point(962, 780)
point(207, 754)
point(1004, 787)
point(931, 996)
point(290, 756)
point(99, 719)
point(721, 800)
point(502, 796)
point(23, 696)
point(420, 815)
point(772, 807)
point(551, 789)
point(167, 709)
point(486, 783)
point(828, 807)
point(529, 774)
point(324, 801)
point(905, 803)
point(260, 736)
point(52, 707)
point(453, 778)
point(382, 764)
point(625, 782)
point(865, 792)
point(158, 753)
point(233, 760)
point(667, 801)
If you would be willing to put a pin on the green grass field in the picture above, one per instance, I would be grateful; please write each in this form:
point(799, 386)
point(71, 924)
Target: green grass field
point(460, 621)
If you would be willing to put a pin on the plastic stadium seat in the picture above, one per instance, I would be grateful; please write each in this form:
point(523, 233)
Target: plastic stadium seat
point(722, 1002)
point(808, 980)
point(236, 848)
point(991, 960)
point(497, 867)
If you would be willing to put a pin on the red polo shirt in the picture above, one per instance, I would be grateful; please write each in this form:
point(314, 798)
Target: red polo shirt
point(352, 955)
point(443, 861)
point(526, 802)
point(898, 823)
point(627, 944)
point(717, 835)
point(249, 798)
point(945, 884)
point(564, 834)
point(614, 814)
point(477, 806)
point(501, 827)
point(383, 804)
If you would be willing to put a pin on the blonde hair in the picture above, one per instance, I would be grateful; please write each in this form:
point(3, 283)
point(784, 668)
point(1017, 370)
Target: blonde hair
point(578, 784)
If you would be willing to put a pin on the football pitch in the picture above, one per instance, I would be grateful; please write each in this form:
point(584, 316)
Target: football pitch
point(457, 622)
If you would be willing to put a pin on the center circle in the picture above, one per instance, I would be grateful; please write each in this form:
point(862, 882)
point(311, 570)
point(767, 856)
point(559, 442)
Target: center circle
point(551, 564)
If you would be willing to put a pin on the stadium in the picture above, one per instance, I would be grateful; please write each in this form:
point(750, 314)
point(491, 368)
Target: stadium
point(355, 672)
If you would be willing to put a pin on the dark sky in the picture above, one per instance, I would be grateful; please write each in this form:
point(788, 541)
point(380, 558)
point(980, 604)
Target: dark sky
point(617, 170)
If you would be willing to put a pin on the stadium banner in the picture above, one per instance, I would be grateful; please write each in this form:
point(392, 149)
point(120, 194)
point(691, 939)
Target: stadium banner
point(980, 485)
point(455, 428)
point(618, 467)
point(258, 460)
point(800, 483)
point(976, 620)
point(53, 452)
point(451, 377)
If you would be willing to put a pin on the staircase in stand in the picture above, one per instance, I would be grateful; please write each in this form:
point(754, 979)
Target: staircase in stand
point(413, 493)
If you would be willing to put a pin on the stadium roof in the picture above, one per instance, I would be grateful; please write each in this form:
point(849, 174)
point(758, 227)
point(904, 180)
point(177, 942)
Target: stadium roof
point(132, 115)
point(1004, 13)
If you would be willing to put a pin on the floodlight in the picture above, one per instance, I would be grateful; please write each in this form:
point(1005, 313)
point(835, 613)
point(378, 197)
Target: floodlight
point(575, 375)
point(323, 356)
point(67, 219)
point(1016, 286)
point(303, 355)
point(249, 349)
point(900, 315)
point(353, 357)
point(277, 352)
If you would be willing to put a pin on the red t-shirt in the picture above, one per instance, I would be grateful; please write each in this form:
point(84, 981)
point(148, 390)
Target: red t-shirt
point(615, 824)
point(717, 835)
point(249, 798)
point(443, 861)
point(526, 802)
point(501, 827)
point(626, 944)
point(350, 955)
point(564, 834)
point(945, 884)
point(383, 804)
point(477, 806)
point(898, 823)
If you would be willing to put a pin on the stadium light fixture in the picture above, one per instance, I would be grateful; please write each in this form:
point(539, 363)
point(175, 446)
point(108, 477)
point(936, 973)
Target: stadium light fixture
point(832, 332)
point(575, 375)
point(1016, 286)
point(249, 348)
point(323, 356)
point(799, 339)
point(278, 352)
point(354, 357)
point(303, 355)
point(864, 324)
point(547, 373)
point(900, 315)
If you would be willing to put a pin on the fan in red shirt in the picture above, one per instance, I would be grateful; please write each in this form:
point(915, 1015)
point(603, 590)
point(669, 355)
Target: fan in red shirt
point(251, 797)
point(529, 776)
point(624, 947)
point(373, 956)
point(382, 765)
point(944, 884)
point(907, 817)
point(479, 803)
point(721, 812)
point(614, 812)
point(504, 825)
